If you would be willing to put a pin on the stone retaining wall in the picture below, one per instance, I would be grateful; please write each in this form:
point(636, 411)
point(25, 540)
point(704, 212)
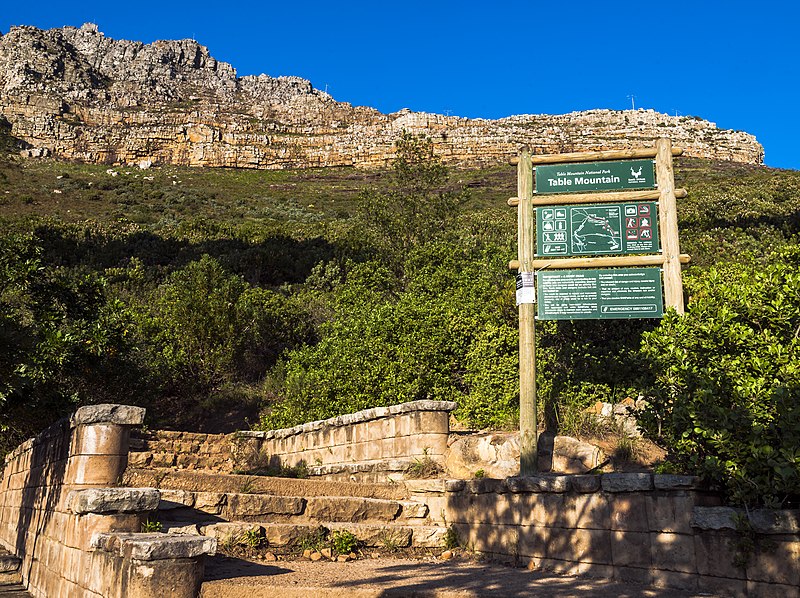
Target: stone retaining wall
point(653, 529)
point(370, 445)
point(57, 503)
point(367, 446)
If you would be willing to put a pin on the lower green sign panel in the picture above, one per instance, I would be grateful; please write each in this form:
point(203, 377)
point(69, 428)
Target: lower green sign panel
point(618, 293)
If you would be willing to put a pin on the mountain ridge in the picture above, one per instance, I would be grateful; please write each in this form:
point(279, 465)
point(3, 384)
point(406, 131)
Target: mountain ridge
point(76, 94)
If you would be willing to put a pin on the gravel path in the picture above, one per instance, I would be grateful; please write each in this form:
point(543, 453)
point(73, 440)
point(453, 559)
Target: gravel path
point(388, 577)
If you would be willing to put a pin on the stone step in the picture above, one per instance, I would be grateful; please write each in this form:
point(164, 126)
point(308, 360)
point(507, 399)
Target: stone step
point(9, 568)
point(184, 505)
point(226, 483)
point(387, 536)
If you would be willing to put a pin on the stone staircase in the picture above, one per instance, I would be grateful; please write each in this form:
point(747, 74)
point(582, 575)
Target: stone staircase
point(281, 512)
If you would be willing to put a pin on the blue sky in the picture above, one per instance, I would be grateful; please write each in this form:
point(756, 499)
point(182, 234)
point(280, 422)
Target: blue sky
point(731, 62)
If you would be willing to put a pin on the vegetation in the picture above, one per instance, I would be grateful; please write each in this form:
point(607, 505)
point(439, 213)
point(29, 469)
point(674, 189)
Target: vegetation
point(211, 296)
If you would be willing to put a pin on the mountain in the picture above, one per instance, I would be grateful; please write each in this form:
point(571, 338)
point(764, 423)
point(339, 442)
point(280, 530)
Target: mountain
point(76, 94)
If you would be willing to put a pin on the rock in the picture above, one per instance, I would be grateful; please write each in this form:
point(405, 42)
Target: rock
point(152, 547)
point(189, 530)
point(626, 482)
point(675, 482)
point(80, 95)
point(125, 415)
point(345, 508)
point(344, 558)
point(446, 555)
point(113, 500)
point(232, 532)
point(585, 483)
point(253, 505)
point(539, 483)
point(307, 553)
point(715, 518)
point(270, 557)
point(326, 552)
point(315, 556)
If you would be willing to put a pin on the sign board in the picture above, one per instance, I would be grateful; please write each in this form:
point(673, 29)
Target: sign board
point(595, 176)
point(618, 293)
point(597, 229)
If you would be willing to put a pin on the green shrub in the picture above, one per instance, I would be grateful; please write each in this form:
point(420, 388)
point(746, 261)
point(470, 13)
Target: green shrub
point(726, 397)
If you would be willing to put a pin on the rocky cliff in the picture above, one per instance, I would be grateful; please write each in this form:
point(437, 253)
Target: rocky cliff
point(77, 94)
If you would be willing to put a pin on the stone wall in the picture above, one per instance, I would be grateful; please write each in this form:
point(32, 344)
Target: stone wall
point(73, 532)
point(654, 529)
point(371, 445)
point(78, 95)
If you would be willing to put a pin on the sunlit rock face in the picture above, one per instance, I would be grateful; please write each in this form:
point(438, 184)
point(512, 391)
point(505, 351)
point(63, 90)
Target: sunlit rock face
point(76, 94)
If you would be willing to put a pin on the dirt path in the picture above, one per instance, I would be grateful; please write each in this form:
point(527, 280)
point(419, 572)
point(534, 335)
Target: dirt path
point(389, 577)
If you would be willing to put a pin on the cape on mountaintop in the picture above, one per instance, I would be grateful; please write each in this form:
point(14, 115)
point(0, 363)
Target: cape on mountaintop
point(75, 94)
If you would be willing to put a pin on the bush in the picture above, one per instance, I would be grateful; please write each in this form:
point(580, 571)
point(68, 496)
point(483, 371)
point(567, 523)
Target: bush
point(726, 397)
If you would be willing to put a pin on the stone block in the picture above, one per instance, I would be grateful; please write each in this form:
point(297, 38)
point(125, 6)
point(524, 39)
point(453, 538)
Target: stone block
point(153, 547)
point(345, 508)
point(715, 518)
point(99, 470)
point(715, 554)
point(585, 483)
point(538, 483)
point(413, 510)
point(675, 482)
point(124, 415)
point(210, 502)
point(721, 586)
point(100, 439)
point(770, 521)
point(628, 512)
point(776, 562)
point(674, 552)
point(756, 589)
point(674, 579)
point(631, 549)
point(140, 459)
point(580, 545)
point(175, 499)
point(637, 575)
point(114, 500)
point(587, 511)
point(541, 510)
point(243, 506)
point(670, 512)
point(626, 482)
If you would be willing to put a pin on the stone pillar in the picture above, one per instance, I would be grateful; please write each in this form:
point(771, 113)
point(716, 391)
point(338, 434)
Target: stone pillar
point(100, 438)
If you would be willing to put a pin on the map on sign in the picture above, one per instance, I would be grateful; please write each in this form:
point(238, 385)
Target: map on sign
point(597, 229)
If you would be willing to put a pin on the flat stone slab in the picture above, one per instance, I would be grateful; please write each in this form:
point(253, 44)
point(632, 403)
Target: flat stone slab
point(125, 415)
point(347, 508)
point(539, 483)
point(626, 482)
point(255, 505)
point(154, 547)
point(113, 500)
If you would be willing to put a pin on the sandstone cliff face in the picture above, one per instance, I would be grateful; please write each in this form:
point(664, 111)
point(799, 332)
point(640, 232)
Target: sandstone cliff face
point(79, 95)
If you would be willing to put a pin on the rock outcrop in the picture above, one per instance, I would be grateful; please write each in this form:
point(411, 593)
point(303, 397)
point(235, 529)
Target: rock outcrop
point(76, 94)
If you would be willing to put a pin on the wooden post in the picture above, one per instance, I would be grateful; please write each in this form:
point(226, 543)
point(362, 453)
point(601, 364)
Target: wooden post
point(668, 226)
point(526, 250)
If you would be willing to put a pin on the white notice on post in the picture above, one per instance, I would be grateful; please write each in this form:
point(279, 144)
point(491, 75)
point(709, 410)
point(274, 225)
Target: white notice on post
point(526, 288)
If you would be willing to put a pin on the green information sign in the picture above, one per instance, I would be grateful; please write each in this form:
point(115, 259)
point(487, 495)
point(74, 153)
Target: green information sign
point(595, 176)
point(597, 229)
point(618, 293)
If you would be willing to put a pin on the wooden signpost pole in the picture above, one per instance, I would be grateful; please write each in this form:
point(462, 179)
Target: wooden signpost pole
point(526, 250)
point(668, 224)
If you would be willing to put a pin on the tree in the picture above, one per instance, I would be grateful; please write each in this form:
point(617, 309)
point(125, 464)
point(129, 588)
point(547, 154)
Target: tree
point(417, 207)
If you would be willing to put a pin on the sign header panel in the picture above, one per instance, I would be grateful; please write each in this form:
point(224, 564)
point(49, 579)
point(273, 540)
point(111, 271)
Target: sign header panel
point(619, 293)
point(586, 177)
point(597, 229)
